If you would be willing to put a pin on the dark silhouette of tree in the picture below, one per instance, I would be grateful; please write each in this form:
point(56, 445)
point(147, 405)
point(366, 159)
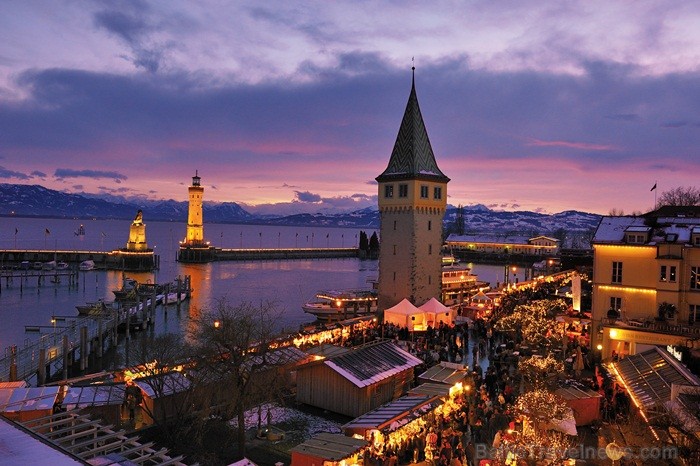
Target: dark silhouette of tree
point(374, 242)
point(680, 196)
point(364, 243)
point(234, 352)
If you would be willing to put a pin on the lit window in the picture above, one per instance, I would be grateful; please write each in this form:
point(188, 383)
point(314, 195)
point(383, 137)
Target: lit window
point(424, 192)
point(389, 190)
point(672, 274)
point(662, 274)
point(403, 190)
point(617, 272)
point(694, 278)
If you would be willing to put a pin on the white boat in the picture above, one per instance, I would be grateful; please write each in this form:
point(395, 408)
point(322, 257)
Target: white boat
point(342, 304)
point(87, 265)
point(50, 265)
point(61, 265)
point(458, 284)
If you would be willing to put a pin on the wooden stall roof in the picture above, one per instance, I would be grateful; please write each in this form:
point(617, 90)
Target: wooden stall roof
point(431, 389)
point(443, 373)
point(22, 446)
point(327, 350)
point(649, 375)
point(28, 399)
point(170, 384)
point(372, 362)
point(395, 414)
point(330, 447)
point(576, 393)
point(96, 444)
point(93, 395)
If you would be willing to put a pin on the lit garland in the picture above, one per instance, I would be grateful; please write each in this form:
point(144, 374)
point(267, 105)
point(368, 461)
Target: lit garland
point(536, 370)
point(534, 320)
point(541, 405)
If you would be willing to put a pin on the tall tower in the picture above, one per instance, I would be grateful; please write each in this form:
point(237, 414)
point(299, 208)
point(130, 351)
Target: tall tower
point(195, 226)
point(412, 202)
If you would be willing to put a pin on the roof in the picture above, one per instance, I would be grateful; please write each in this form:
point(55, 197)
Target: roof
point(18, 445)
point(371, 363)
point(649, 375)
point(395, 414)
point(675, 211)
point(327, 350)
point(431, 389)
point(612, 230)
point(404, 307)
point(167, 384)
point(330, 447)
point(412, 156)
point(93, 395)
point(434, 306)
point(576, 393)
point(28, 399)
point(445, 375)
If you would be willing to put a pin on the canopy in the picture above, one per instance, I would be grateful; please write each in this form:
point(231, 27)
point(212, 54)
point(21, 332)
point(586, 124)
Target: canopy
point(437, 312)
point(405, 314)
point(481, 297)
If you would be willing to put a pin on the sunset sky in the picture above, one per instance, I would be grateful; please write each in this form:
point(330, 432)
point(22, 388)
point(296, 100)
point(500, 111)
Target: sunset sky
point(290, 106)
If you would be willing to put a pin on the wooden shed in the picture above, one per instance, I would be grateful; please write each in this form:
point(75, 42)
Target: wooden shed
point(162, 395)
point(357, 381)
point(327, 449)
point(447, 373)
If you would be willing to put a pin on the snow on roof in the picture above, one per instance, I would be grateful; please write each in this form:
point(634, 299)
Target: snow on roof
point(28, 399)
point(612, 229)
point(372, 363)
point(394, 413)
point(168, 384)
point(638, 229)
point(19, 446)
point(330, 447)
point(93, 395)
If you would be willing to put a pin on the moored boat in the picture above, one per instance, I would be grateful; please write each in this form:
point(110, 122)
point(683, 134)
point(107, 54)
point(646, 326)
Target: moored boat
point(341, 304)
point(61, 265)
point(87, 265)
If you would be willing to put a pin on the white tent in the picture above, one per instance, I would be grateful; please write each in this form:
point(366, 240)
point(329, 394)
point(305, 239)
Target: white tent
point(405, 314)
point(437, 312)
point(481, 298)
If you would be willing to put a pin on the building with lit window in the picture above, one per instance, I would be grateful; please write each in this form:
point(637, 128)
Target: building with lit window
point(540, 246)
point(646, 281)
point(412, 201)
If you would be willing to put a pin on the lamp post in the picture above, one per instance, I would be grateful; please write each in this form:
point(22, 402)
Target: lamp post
point(514, 269)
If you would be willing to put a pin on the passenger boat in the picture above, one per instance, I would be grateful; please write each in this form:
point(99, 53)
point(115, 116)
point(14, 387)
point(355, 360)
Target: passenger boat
point(459, 284)
point(342, 304)
point(87, 265)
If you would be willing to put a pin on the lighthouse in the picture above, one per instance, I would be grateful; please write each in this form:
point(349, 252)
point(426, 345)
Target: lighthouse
point(193, 248)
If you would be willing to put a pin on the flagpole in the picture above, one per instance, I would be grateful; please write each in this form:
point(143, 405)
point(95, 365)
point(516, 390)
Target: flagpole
point(656, 206)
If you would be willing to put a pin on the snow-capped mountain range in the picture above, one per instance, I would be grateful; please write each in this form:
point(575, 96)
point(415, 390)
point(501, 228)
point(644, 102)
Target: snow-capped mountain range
point(37, 201)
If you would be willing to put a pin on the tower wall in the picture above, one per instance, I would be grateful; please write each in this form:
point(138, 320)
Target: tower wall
point(195, 222)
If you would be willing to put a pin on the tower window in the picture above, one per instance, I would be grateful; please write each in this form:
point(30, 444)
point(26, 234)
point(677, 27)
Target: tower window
point(430, 249)
point(394, 249)
point(403, 190)
point(672, 274)
point(662, 274)
point(430, 280)
point(430, 225)
point(423, 192)
point(388, 190)
point(695, 278)
point(394, 276)
point(394, 225)
point(437, 192)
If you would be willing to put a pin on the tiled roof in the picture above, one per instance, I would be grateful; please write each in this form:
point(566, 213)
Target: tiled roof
point(412, 157)
point(372, 363)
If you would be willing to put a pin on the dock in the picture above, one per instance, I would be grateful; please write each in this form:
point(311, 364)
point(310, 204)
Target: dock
point(118, 259)
point(70, 341)
point(212, 254)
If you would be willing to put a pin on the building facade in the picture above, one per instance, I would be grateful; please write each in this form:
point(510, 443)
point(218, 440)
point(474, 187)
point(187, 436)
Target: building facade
point(542, 246)
point(412, 201)
point(646, 281)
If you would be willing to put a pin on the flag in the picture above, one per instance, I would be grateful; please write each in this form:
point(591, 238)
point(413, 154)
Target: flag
point(47, 232)
point(653, 187)
point(327, 235)
point(16, 231)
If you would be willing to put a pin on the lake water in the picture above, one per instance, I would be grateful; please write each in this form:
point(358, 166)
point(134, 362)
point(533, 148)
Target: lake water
point(287, 284)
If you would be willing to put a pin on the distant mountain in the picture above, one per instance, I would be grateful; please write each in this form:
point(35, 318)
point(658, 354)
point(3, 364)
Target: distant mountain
point(37, 201)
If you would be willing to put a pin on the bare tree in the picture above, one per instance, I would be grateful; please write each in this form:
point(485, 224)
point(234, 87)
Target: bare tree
point(680, 196)
point(234, 347)
point(615, 212)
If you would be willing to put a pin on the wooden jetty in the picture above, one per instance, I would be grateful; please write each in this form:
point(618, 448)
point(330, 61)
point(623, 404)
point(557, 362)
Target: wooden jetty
point(187, 254)
point(118, 259)
point(70, 340)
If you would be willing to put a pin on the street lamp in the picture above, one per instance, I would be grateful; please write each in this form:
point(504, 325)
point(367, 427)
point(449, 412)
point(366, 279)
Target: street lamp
point(515, 279)
point(217, 323)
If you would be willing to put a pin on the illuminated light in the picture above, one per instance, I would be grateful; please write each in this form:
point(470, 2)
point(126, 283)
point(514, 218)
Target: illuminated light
point(627, 288)
point(613, 333)
point(599, 347)
point(217, 324)
point(338, 303)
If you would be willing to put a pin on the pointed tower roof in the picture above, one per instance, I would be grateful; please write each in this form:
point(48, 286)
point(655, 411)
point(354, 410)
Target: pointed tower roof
point(412, 157)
